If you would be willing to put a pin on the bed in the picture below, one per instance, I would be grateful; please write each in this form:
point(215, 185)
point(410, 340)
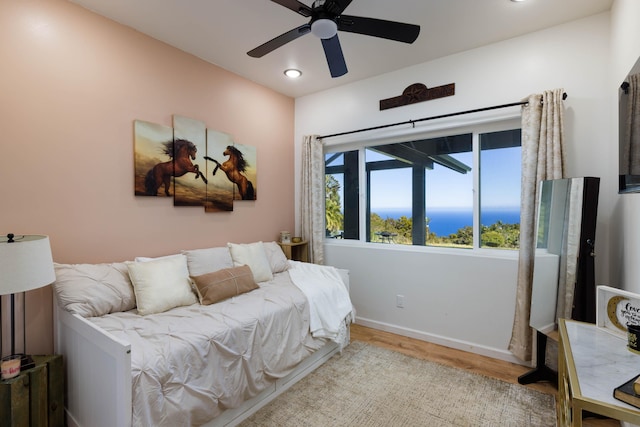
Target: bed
point(237, 333)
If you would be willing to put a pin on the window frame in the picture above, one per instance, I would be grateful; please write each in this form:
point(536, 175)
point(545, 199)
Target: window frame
point(477, 126)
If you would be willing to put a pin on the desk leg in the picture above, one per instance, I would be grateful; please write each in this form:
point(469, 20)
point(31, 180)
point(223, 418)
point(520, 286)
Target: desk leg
point(576, 417)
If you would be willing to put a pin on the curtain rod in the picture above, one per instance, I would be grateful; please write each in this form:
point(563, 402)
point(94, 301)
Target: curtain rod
point(413, 122)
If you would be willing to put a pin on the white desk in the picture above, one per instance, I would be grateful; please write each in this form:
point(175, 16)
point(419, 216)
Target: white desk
point(592, 362)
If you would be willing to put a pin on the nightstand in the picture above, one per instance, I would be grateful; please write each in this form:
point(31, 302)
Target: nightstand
point(36, 396)
point(296, 251)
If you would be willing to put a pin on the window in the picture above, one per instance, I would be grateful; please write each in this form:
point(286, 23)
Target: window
point(422, 191)
point(341, 179)
point(500, 172)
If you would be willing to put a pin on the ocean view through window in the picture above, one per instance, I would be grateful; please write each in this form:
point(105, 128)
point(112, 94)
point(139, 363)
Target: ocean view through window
point(460, 190)
point(444, 221)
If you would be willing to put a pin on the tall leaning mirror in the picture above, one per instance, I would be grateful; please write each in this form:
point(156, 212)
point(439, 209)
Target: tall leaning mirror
point(564, 273)
point(629, 131)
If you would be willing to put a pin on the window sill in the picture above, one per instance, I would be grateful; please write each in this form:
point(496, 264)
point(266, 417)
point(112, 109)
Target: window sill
point(470, 252)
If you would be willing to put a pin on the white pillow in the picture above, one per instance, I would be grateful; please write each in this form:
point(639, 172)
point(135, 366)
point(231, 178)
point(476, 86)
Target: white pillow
point(203, 261)
point(94, 289)
point(253, 255)
point(277, 260)
point(161, 284)
point(146, 258)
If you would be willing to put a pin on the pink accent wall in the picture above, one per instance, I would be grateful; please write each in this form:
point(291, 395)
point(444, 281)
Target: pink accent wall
point(72, 84)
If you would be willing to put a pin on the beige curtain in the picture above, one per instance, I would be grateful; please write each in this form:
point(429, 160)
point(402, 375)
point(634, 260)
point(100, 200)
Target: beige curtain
point(313, 197)
point(542, 158)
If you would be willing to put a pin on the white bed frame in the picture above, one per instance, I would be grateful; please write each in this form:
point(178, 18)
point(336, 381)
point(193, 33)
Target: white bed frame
point(98, 375)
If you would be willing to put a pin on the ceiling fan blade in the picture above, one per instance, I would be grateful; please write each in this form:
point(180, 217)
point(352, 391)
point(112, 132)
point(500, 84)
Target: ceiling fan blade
point(336, 7)
point(398, 31)
point(296, 6)
point(279, 41)
point(335, 58)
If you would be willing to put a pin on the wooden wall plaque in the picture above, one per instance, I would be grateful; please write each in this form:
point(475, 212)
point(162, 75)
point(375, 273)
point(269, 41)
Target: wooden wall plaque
point(418, 92)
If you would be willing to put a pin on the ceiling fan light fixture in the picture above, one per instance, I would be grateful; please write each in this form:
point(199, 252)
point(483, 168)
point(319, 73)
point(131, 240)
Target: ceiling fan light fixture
point(324, 28)
point(292, 73)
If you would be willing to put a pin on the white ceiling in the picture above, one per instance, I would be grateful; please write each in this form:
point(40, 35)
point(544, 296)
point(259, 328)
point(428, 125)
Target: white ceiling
point(222, 31)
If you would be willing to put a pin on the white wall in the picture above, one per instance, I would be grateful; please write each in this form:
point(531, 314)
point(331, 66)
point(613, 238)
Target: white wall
point(468, 301)
point(624, 256)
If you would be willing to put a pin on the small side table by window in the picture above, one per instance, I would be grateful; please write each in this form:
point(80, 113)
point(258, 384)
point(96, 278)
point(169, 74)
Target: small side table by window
point(296, 251)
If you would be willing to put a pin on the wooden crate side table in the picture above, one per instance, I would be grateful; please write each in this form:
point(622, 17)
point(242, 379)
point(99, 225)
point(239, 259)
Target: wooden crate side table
point(36, 396)
point(296, 251)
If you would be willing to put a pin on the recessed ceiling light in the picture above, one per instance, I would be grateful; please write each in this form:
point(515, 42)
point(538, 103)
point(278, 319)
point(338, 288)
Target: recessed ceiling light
point(292, 73)
point(517, 1)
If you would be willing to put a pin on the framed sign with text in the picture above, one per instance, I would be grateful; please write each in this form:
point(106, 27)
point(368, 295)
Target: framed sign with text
point(615, 308)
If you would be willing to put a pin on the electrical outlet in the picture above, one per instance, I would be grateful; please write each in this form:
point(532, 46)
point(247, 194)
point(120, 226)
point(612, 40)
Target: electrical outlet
point(400, 301)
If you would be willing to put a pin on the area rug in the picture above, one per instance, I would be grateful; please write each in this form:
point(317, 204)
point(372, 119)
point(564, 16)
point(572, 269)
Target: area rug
point(368, 386)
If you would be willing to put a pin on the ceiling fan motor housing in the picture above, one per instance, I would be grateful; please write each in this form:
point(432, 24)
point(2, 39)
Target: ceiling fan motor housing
point(328, 6)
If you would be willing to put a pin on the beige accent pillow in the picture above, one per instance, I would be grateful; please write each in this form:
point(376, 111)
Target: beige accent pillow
point(277, 260)
point(253, 255)
point(161, 284)
point(223, 284)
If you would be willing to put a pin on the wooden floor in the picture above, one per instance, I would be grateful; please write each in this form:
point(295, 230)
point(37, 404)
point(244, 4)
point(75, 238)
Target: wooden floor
point(487, 366)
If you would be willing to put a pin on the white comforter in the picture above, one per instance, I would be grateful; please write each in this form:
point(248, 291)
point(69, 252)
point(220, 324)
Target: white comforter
point(191, 363)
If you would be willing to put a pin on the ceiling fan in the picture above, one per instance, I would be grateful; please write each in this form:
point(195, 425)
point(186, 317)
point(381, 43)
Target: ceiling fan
point(326, 20)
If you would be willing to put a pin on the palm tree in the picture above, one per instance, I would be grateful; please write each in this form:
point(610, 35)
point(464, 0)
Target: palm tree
point(333, 211)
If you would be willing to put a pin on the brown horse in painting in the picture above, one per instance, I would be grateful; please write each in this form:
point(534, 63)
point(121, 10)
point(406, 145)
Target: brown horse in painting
point(181, 152)
point(233, 167)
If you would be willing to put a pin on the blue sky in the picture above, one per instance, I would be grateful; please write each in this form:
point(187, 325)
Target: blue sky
point(391, 189)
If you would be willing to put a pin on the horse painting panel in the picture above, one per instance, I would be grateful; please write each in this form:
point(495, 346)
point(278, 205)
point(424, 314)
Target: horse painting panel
point(240, 169)
point(148, 152)
point(190, 189)
point(219, 189)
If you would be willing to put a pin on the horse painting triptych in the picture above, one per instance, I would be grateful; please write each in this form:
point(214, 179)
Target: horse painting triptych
point(194, 165)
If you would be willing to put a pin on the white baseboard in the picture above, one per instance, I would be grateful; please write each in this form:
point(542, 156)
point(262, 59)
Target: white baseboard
point(495, 353)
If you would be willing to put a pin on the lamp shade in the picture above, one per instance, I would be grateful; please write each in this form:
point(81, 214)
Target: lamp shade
point(25, 264)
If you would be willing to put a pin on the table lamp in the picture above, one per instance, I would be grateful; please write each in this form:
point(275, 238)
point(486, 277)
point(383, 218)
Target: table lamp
point(25, 264)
